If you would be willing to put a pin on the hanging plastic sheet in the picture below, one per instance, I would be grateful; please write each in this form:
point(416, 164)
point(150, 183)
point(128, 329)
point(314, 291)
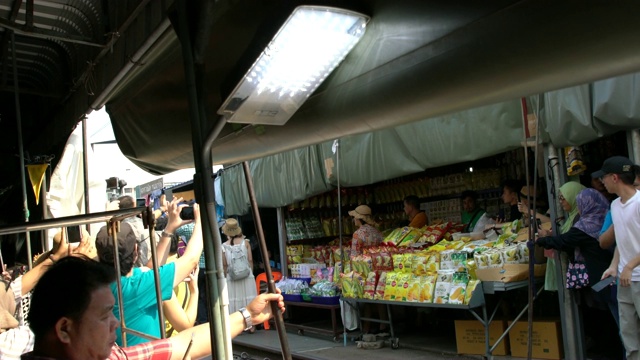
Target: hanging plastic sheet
point(616, 102)
point(278, 179)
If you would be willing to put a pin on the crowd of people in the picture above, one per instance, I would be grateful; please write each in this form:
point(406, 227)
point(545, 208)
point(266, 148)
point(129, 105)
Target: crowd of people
point(73, 313)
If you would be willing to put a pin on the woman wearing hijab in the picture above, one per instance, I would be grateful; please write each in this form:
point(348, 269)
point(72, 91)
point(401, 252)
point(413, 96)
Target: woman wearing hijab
point(567, 197)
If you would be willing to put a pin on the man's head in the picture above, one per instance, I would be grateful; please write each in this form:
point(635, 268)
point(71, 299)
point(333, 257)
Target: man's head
point(71, 310)
point(411, 205)
point(127, 247)
point(127, 202)
point(510, 191)
point(617, 173)
point(469, 199)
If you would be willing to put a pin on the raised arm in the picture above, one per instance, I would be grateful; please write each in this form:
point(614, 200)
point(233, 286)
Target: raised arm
point(191, 256)
point(174, 222)
point(182, 319)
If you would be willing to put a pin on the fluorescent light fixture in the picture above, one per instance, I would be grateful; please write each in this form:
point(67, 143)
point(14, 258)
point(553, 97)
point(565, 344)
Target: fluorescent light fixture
point(311, 43)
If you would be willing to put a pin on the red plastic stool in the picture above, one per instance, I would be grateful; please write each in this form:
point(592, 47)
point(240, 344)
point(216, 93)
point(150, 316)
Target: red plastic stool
point(262, 278)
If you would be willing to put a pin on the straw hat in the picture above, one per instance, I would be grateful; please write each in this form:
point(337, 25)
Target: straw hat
point(362, 212)
point(231, 228)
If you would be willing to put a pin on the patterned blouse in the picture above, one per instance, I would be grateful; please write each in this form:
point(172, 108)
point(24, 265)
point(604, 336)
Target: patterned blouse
point(366, 235)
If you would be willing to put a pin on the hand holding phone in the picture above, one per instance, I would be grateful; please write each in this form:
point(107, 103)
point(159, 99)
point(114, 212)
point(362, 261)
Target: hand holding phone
point(73, 234)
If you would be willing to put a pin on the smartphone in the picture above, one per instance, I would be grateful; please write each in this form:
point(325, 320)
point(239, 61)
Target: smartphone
point(73, 234)
point(538, 223)
point(141, 202)
point(603, 283)
point(187, 213)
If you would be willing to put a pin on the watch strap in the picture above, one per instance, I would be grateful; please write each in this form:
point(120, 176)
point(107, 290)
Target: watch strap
point(248, 324)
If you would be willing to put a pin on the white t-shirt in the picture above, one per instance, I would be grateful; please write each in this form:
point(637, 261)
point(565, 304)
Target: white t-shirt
point(626, 219)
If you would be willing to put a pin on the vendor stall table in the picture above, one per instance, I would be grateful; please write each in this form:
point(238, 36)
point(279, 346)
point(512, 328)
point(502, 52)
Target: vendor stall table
point(301, 327)
point(477, 301)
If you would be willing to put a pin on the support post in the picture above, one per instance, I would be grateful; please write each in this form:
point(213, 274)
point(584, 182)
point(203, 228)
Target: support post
point(85, 167)
point(271, 285)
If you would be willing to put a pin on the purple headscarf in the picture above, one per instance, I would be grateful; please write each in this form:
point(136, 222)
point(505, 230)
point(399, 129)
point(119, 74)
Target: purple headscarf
point(593, 208)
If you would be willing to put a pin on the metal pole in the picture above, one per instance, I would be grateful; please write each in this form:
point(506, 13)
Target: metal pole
point(531, 224)
point(271, 285)
point(633, 137)
point(43, 200)
point(25, 206)
point(220, 338)
point(114, 228)
point(156, 274)
point(336, 143)
point(85, 166)
point(570, 321)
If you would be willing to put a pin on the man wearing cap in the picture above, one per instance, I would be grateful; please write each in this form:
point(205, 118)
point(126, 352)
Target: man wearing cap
point(618, 174)
point(138, 286)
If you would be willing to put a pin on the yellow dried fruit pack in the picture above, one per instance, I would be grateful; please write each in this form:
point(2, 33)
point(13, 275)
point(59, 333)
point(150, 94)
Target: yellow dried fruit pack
point(428, 285)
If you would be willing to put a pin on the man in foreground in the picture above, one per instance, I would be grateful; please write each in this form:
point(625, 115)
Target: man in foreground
point(71, 317)
point(618, 175)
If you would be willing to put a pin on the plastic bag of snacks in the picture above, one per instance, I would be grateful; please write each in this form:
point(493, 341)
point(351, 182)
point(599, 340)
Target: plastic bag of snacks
point(419, 263)
point(481, 259)
point(459, 260)
point(292, 286)
point(495, 258)
point(324, 288)
point(411, 237)
point(433, 265)
point(524, 252)
point(390, 286)
point(370, 286)
point(471, 287)
point(413, 292)
point(443, 286)
point(511, 254)
point(349, 285)
point(446, 262)
point(458, 288)
point(427, 286)
point(380, 285)
point(402, 290)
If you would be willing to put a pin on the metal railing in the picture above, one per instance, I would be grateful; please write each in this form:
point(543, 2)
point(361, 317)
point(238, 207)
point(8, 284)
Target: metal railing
point(113, 219)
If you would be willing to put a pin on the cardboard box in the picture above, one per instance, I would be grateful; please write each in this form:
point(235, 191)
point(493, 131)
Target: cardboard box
point(470, 337)
point(546, 340)
point(510, 272)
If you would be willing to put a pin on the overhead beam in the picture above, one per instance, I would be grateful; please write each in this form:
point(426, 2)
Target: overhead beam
point(4, 44)
point(48, 34)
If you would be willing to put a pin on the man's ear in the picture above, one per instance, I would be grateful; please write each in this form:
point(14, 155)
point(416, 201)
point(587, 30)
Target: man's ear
point(63, 330)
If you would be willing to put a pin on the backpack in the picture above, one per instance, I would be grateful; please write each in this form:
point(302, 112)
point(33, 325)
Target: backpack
point(237, 262)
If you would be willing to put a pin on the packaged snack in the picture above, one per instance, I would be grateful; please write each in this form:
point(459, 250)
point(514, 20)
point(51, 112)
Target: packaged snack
point(398, 262)
point(495, 258)
point(413, 292)
point(523, 250)
point(419, 264)
point(348, 285)
point(511, 254)
point(471, 269)
point(390, 286)
point(481, 259)
point(358, 283)
point(380, 286)
point(433, 264)
point(458, 288)
point(370, 286)
point(443, 286)
point(471, 287)
point(412, 236)
point(446, 263)
point(402, 290)
point(459, 260)
point(427, 285)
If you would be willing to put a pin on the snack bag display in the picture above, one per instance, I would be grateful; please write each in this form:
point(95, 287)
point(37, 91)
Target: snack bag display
point(413, 292)
point(348, 285)
point(412, 236)
point(419, 264)
point(433, 265)
point(358, 283)
point(397, 262)
point(382, 281)
point(511, 254)
point(458, 288)
point(481, 259)
point(443, 286)
point(495, 258)
point(471, 269)
point(471, 287)
point(370, 286)
point(390, 286)
point(402, 290)
point(459, 260)
point(446, 263)
point(428, 285)
point(524, 252)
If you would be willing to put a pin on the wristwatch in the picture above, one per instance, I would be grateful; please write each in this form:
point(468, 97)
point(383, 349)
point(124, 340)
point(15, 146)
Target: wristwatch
point(248, 324)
